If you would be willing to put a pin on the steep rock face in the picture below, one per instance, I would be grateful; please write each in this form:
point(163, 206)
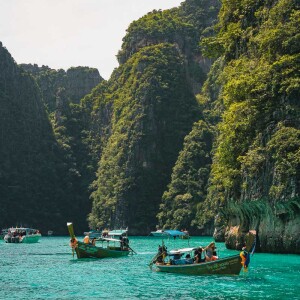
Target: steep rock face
point(153, 109)
point(181, 26)
point(33, 189)
point(255, 173)
point(180, 203)
point(142, 141)
point(77, 82)
point(80, 82)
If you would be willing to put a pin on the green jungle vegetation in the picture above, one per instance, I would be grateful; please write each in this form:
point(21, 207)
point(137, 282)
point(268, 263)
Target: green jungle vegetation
point(201, 118)
point(256, 153)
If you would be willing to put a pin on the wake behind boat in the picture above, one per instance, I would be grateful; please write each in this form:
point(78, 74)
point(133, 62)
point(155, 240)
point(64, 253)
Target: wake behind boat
point(107, 246)
point(22, 235)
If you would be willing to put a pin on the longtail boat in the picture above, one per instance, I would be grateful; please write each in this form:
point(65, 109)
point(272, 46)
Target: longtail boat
point(172, 261)
point(109, 246)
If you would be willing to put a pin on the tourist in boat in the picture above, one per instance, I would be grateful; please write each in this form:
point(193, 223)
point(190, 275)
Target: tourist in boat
point(188, 259)
point(162, 250)
point(93, 242)
point(210, 249)
point(198, 255)
point(86, 239)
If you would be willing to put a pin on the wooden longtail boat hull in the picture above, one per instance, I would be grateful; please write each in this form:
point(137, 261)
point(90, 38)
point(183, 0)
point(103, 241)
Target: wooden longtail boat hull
point(226, 266)
point(89, 251)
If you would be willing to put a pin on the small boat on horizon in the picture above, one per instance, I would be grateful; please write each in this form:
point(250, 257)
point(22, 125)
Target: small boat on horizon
point(22, 235)
point(50, 232)
point(110, 246)
point(170, 233)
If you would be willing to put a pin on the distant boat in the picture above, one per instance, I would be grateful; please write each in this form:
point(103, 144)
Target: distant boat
point(22, 235)
point(50, 232)
point(109, 246)
point(93, 233)
point(159, 233)
point(170, 233)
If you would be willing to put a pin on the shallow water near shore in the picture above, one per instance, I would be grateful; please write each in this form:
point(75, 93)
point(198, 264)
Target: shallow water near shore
point(47, 270)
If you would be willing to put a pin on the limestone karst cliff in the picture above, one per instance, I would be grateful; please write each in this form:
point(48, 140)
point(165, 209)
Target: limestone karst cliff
point(32, 172)
point(255, 179)
point(151, 100)
point(77, 82)
point(197, 128)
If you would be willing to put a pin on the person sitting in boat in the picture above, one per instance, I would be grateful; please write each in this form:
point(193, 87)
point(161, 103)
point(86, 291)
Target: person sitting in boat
point(188, 259)
point(198, 255)
point(210, 249)
point(215, 255)
point(176, 260)
point(86, 239)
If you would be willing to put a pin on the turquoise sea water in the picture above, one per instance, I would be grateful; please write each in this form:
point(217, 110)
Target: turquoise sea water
point(46, 270)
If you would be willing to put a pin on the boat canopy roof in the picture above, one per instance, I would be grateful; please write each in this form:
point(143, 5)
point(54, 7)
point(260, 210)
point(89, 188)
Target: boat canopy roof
point(183, 250)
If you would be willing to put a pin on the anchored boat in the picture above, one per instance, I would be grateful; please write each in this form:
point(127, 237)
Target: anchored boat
point(102, 247)
point(22, 235)
point(181, 261)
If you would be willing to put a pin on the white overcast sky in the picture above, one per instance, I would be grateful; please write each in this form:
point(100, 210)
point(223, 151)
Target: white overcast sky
point(66, 33)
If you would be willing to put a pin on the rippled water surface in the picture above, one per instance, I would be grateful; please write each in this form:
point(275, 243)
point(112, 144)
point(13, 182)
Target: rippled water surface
point(46, 270)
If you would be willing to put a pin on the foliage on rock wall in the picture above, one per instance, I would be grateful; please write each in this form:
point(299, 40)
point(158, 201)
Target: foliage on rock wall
point(188, 185)
point(76, 81)
point(33, 185)
point(181, 26)
point(61, 92)
point(143, 149)
point(257, 148)
point(153, 109)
